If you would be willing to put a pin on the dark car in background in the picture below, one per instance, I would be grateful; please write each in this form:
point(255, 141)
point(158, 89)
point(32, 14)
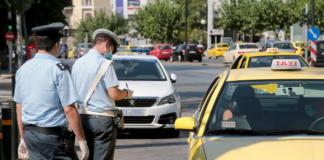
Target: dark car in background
point(193, 53)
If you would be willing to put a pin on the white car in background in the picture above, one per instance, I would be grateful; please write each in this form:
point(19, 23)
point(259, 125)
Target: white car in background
point(155, 103)
point(237, 49)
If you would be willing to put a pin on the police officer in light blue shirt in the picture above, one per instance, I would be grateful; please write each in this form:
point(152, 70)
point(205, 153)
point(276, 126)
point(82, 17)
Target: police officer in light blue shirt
point(45, 97)
point(100, 130)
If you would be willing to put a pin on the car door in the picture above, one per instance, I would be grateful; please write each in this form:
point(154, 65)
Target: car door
point(194, 142)
point(211, 51)
point(229, 54)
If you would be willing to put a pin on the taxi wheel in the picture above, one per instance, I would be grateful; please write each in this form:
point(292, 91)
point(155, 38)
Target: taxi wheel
point(172, 132)
point(209, 57)
point(166, 59)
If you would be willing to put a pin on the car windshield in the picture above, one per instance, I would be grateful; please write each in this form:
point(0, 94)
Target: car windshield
point(283, 46)
point(248, 46)
point(266, 61)
point(273, 106)
point(164, 47)
point(138, 69)
point(299, 44)
point(222, 45)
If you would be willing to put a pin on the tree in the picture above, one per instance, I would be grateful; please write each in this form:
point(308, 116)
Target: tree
point(251, 15)
point(160, 19)
point(114, 22)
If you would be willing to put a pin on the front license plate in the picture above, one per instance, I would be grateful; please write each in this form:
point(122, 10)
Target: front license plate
point(134, 112)
point(192, 51)
point(165, 52)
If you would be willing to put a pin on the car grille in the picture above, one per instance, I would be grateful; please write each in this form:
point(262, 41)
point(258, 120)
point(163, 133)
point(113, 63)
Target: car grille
point(139, 102)
point(135, 119)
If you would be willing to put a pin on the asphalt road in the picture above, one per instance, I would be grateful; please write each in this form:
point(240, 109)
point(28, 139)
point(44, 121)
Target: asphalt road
point(192, 82)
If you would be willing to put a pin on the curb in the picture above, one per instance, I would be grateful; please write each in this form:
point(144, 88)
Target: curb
point(197, 64)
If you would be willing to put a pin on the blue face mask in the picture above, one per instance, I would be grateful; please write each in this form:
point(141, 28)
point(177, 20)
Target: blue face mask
point(108, 55)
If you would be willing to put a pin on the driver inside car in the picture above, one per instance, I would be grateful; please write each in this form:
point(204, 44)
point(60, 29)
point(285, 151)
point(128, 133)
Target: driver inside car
point(316, 111)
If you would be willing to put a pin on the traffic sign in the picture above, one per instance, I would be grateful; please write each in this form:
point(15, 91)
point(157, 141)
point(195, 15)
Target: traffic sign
point(313, 34)
point(10, 36)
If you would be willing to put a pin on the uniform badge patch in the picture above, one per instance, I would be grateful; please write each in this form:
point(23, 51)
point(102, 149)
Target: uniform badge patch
point(61, 66)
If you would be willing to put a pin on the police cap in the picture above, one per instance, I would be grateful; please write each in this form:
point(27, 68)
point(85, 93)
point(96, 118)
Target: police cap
point(49, 30)
point(107, 33)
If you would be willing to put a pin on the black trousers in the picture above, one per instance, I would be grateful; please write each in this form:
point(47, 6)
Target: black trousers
point(45, 147)
point(101, 133)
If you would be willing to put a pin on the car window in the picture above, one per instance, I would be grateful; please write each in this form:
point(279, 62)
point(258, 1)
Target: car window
point(299, 44)
point(248, 46)
point(269, 45)
point(154, 47)
point(205, 100)
point(237, 61)
point(164, 47)
point(213, 47)
point(268, 106)
point(266, 61)
point(321, 45)
point(89, 46)
point(233, 47)
point(243, 62)
point(222, 45)
point(283, 46)
point(138, 69)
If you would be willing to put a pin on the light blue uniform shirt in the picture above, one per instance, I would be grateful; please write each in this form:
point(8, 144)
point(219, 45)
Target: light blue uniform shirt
point(44, 87)
point(83, 73)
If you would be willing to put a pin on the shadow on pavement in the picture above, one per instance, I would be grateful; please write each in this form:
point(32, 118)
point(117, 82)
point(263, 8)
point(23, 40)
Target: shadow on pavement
point(150, 145)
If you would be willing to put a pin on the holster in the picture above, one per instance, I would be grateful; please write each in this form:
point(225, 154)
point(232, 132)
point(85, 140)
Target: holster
point(119, 119)
point(68, 141)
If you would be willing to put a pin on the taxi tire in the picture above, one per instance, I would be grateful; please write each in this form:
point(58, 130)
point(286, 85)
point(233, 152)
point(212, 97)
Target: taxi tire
point(209, 57)
point(172, 133)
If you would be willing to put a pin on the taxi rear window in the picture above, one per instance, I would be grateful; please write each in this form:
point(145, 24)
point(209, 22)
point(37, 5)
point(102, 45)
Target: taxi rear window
point(222, 45)
point(248, 46)
point(164, 47)
point(299, 44)
point(266, 61)
point(268, 106)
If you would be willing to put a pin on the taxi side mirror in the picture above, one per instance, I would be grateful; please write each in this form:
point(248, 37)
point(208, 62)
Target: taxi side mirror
point(186, 124)
point(173, 78)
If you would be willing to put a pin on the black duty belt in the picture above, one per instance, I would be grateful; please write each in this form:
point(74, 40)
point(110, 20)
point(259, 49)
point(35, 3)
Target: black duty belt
point(58, 131)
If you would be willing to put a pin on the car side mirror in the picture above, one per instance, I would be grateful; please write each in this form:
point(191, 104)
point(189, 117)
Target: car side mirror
point(173, 78)
point(186, 124)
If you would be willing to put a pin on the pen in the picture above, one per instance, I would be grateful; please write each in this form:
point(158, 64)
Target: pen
point(127, 86)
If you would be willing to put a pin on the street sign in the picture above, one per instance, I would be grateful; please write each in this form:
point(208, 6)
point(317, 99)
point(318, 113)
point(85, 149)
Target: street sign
point(313, 34)
point(313, 51)
point(10, 36)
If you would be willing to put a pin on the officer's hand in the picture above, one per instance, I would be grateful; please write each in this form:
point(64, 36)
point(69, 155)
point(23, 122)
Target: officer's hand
point(22, 149)
point(84, 150)
point(129, 94)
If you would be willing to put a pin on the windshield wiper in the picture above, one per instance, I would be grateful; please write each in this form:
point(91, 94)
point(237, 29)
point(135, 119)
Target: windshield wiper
point(296, 132)
point(235, 132)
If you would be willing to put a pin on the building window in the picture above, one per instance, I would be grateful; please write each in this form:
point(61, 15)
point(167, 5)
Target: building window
point(87, 2)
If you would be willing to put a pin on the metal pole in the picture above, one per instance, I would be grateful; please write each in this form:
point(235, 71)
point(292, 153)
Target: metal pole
point(19, 46)
point(85, 44)
point(186, 30)
point(6, 130)
point(312, 12)
point(14, 131)
point(13, 77)
point(9, 45)
point(305, 32)
point(25, 29)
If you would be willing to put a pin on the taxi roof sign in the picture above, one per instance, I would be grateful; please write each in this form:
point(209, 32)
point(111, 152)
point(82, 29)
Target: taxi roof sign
point(272, 50)
point(285, 64)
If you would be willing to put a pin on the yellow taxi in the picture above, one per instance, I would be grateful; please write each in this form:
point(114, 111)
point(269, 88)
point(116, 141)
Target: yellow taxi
point(264, 59)
point(300, 46)
point(70, 53)
point(235, 121)
point(217, 50)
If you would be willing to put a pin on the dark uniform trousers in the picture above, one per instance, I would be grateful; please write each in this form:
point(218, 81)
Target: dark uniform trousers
point(45, 147)
point(101, 134)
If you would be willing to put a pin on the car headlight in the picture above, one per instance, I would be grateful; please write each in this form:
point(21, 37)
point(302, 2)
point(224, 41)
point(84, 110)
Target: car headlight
point(169, 99)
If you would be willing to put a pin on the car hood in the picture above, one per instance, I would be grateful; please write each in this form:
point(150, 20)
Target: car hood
point(265, 148)
point(148, 88)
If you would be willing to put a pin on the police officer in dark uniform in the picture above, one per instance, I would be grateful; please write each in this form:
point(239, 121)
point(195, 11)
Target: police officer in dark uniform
point(45, 97)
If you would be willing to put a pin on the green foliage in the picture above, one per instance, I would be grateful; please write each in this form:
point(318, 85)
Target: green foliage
point(266, 15)
point(160, 19)
point(114, 22)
